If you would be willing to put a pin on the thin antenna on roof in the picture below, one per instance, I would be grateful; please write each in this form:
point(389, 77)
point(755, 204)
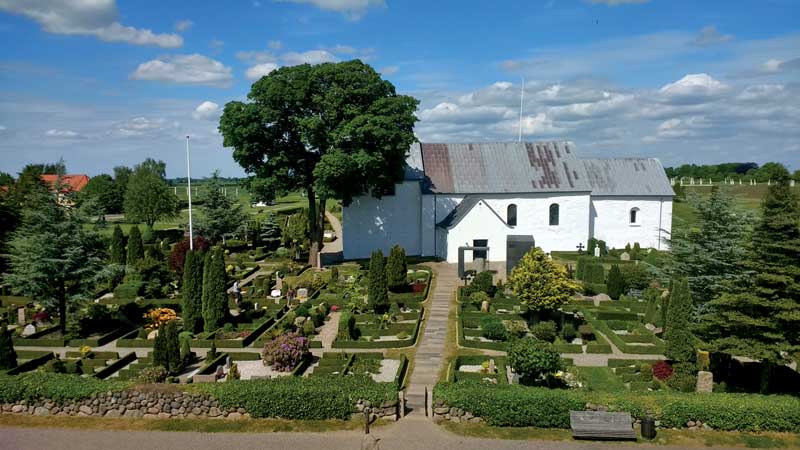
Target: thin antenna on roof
point(521, 98)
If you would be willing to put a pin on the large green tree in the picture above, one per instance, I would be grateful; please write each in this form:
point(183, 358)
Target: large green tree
point(759, 317)
point(148, 199)
point(540, 283)
point(52, 257)
point(710, 251)
point(222, 216)
point(215, 295)
point(311, 127)
point(103, 191)
point(192, 290)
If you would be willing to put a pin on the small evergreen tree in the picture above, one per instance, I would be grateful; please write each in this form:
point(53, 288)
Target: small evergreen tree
point(135, 246)
point(160, 357)
point(117, 246)
point(680, 342)
point(378, 294)
point(192, 304)
point(541, 283)
point(616, 284)
point(270, 232)
point(591, 245)
point(173, 348)
point(636, 252)
point(215, 296)
point(397, 269)
point(8, 357)
point(186, 353)
point(334, 275)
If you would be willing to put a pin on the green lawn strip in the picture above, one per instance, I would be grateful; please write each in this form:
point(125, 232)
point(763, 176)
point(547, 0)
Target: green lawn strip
point(600, 379)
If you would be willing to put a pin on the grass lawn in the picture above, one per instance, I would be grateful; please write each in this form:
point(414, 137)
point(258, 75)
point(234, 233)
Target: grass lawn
point(745, 198)
point(601, 379)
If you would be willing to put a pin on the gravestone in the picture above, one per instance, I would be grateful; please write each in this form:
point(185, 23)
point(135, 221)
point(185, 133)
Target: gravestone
point(492, 367)
point(597, 252)
point(220, 372)
point(279, 282)
point(21, 315)
point(28, 330)
point(227, 362)
point(601, 425)
point(276, 293)
point(705, 381)
point(625, 256)
point(485, 306)
point(302, 293)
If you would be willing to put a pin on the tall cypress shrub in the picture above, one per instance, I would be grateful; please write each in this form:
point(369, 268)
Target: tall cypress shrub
point(215, 296)
point(680, 342)
point(378, 294)
point(616, 285)
point(397, 269)
point(117, 246)
point(135, 246)
point(166, 350)
point(192, 304)
point(8, 357)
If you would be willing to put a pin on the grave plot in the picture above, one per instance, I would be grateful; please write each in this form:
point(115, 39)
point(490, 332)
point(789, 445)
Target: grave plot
point(623, 323)
point(488, 369)
point(97, 325)
point(378, 367)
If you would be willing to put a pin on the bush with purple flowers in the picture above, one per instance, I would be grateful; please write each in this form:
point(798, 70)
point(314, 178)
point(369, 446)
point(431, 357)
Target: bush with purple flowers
point(285, 351)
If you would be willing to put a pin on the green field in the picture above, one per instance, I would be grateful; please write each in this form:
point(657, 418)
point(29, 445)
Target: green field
point(745, 198)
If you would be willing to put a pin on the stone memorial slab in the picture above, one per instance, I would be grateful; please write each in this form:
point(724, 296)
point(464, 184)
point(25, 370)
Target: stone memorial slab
point(597, 252)
point(21, 315)
point(625, 256)
point(601, 425)
point(302, 293)
point(705, 382)
point(28, 330)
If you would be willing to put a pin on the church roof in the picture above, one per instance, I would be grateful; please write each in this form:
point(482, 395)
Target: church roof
point(529, 167)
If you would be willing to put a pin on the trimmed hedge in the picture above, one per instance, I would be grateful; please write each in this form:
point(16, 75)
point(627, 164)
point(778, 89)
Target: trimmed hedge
point(58, 387)
point(314, 398)
point(514, 405)
point(32, 364)
point(101, 340)
point(114, 367)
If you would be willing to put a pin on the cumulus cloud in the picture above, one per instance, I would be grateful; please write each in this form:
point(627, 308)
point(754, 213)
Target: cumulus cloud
point(710, 36)
point(87, 18)
point(309, 57)
point(183, 25)
point(352, 9)
point(693, 88)
point(63, 134)
point(141, 126)
point(206, 111)
point(779, 65)
point(259, 70)
point(185, 69)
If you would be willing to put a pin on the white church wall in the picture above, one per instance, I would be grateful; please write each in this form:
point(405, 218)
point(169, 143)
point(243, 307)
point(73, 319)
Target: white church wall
point(370, 224)
point(533, 218)
point(610, 220)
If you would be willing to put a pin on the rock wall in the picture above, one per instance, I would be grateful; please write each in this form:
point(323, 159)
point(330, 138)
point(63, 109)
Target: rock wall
point(157, 405)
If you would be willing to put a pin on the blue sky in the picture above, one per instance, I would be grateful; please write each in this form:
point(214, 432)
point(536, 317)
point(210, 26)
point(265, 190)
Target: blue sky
point(103, 82)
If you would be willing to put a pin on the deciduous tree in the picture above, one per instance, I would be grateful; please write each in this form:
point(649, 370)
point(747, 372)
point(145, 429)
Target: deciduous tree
point(148, 199)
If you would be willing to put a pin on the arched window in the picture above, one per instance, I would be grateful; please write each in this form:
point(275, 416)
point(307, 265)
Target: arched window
point(511, 215)
point(634, 218)
point(554, 214)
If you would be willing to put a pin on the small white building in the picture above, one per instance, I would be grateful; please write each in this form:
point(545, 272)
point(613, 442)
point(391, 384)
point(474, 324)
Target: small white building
point(495, 194)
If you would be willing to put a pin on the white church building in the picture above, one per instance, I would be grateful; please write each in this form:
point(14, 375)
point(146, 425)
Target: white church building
point(494, 194)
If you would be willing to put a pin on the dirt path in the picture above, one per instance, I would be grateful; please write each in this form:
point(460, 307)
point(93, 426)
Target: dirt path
point(328, 332)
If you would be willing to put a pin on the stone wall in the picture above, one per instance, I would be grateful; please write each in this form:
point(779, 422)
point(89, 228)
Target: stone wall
point(157, 405)
point(443, 412)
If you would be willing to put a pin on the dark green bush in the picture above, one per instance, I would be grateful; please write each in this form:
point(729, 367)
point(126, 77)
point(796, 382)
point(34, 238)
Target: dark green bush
point(313, 398)
point(483, 282)
point(53, 386)
point(568, 332)
point(493, 328)
point(129, 290)
point(545, 331)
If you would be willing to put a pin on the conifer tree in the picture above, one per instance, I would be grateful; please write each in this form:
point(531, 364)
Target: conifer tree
point(215, 296)
point(397, 269)
point(118, 246)
point(192, 304)
point(760, 317)
point(270, 232)
point(8, 357)
point(135, 246)
point(166, 350)
point(616, 284)
point(540, 283)
point(378, 294)
point(680, 341)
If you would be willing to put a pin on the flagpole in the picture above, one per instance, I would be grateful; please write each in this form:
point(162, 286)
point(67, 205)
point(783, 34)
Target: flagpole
point(521, 97)
point(189, 180)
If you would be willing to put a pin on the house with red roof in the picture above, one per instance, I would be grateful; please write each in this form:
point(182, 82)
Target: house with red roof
point(66, 185)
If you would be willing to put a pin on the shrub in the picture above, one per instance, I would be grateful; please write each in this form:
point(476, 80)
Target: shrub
point(55, 365)
point(192, 290)
point(516, 328)
point(8, 357)
point(117, 248)
point(285, 352)
point(545, 331)
point(378, 294)
point(493, 328)
point(682, 382)
point(591, 245)
point(586, 331)
point(233, 373)
point(477, 298)
point(166, 350)
point(636, 276)
point(212, 354)
point(215, 296)
point(56, 387)
point(334, 274)
point(616, 285)
point(482, 282)
point(533, 359)
point(540, 283)
point(680, 342)
point(662, 370)
point(135, 250)
point(308, 328)
point(594, 273)
point(397, 269)
point(129, 290)
point(299, 398)
point(156, 374)
point(568, 332)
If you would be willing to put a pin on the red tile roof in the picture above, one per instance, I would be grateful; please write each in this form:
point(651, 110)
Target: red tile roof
point(73, 182)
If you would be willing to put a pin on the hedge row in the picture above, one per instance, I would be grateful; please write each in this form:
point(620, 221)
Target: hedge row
point(54, 386)
point(657, 349)
point(314, 398)
point(514, 405)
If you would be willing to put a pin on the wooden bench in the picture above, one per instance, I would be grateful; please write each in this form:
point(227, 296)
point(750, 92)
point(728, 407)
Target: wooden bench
point(601, 425)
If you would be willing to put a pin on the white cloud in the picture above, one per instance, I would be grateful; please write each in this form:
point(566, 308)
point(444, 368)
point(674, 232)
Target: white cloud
point(710, 36)
point(693, 88)
point(309, 57)
point(275, 45)
point(98, 18)
point(140, 126)
point(259, 70)
point(206, 110)
point(256, 57)
point(352, 9)
point(388, 70)
point(183, 25)
point(185, 69)
point(343, 49)
point(63, 134)
point(616, 2)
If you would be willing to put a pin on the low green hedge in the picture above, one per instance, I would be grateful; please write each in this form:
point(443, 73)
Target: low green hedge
point(129, 290)
point(568, 348)
point(101, 340)
point(313, 398)
point(616, 315)
point(54, 386)
point(514, 405)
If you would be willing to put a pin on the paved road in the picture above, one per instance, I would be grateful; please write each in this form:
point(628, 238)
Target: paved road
point(412, 433)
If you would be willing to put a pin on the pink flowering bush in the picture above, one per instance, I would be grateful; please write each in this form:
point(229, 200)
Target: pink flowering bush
point(285, 351)
point(335, 308)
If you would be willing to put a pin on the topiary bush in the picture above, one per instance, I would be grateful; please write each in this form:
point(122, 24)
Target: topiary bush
point(155, 374)
point(568, 332)
point(545, 331)
point(285, 352)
